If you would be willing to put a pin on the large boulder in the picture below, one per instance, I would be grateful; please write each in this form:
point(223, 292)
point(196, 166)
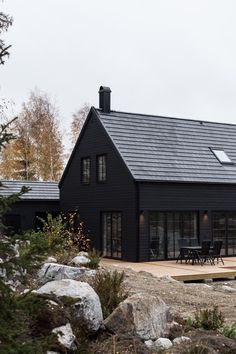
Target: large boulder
point(86, 305)
point(54, 271)
point(139, 315)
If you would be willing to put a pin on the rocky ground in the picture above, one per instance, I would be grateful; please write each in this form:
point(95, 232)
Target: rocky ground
point(185, 298)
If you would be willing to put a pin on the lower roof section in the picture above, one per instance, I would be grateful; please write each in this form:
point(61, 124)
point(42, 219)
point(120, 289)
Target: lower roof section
point(38, 190)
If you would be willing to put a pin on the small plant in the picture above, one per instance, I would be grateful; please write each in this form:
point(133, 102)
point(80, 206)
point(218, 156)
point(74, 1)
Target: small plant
point(209, 319)
point(229, 330)
point(94, 257)
point(196, 349)
point(54, 229)
point(111, 290)
point(65, 236)
point(75, 233)
point(189, 322)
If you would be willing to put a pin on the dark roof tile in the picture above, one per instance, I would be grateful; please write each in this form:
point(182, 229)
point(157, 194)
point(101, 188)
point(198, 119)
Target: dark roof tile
point(158, 148)
point(39, 190)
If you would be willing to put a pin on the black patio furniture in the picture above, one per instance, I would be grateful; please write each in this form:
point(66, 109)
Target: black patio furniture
point(183, 250)
point(216, 250)
point(204, 253)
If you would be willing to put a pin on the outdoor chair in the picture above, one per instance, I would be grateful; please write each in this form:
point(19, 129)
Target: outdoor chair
point(183, 253)
point(204, 254)
point(215, 253)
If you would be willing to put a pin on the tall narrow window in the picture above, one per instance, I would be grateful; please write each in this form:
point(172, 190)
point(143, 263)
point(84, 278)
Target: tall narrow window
point(101, 168)
point(111, 234)
point(85, 170)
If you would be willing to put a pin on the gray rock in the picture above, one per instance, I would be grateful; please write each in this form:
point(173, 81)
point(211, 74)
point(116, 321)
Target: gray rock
point(3, 272)
point(86, 307)
point(149, 343)
point(163, 343)
point(228, 289)
point(80, 260)
point(50, 352)
point(51, 260)
point(83, 253)
point(65, 336)
point(139, 315)
point(54, 271)
point(180, 340)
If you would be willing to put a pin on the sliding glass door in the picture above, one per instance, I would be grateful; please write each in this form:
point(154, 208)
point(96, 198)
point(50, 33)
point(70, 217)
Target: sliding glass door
point(224, 229)
point(111, 234)
point(168, 230)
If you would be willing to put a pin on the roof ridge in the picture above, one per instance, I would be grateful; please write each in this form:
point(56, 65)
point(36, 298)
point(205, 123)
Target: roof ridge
point(166, 117)
point(26, 181)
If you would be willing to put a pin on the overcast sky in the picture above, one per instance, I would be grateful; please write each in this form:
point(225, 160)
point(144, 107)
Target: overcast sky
point(165, 57)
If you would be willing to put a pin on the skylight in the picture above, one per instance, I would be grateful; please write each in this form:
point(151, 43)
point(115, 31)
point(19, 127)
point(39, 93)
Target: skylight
point(221, 156)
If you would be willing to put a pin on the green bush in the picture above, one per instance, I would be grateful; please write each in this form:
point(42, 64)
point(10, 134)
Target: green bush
point(229, 330)
point(111, 290)
point(65, 235)
point(209, 319)
point(22, 330)
point(95, 258)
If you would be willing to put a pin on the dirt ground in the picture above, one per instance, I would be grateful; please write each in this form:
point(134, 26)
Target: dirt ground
point(184, 298)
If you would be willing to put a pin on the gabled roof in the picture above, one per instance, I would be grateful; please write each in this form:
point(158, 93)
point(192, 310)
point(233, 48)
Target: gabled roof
point(39, 190)
point(156, 148)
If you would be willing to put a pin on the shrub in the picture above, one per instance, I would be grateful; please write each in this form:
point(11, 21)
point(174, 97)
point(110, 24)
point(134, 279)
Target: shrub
point(22, 330)
point(111, 290)
point(75, 233)
point(66, 237)
point(209, 319)
point(54, 229)
point(229, 330)
point(196, 349)
point(94, 257)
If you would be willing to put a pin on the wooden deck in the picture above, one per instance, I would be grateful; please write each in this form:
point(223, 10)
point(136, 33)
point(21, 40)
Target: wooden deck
point(182, 272)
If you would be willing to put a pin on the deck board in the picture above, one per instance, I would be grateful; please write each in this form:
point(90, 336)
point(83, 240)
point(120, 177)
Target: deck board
point(181, 272)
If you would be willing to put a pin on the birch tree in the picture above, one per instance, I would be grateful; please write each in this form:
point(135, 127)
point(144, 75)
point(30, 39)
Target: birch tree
point(78, 119)
point(36, 153)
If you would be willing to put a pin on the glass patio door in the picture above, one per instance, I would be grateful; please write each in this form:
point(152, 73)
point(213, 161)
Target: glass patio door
point(168, 229)
point(224, 229)
point(111, 234)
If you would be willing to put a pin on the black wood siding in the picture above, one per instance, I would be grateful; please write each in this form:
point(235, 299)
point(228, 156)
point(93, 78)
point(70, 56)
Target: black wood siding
point(117, 194)
point(181, 197)
point(28, 209)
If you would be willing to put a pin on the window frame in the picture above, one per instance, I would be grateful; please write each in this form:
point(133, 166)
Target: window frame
point(82, 170)
point(97, 168)
point(104, 213)
point(214, 152)
point(194, 212)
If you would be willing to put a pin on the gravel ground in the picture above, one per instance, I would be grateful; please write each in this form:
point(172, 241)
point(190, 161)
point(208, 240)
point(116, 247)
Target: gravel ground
point(184, 298)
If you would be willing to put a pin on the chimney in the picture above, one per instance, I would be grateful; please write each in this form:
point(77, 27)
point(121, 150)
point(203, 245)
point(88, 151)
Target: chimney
point(105, 99)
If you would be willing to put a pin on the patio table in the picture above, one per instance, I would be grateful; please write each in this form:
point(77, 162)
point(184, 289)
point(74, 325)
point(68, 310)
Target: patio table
point(193, 254)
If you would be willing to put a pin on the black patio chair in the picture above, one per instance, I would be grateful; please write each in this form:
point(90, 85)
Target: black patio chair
point(215, 253)
point(183, 253)
point(204, 254)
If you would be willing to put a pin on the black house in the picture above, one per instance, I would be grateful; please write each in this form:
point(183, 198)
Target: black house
point(142, 183)
point(42, 198)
